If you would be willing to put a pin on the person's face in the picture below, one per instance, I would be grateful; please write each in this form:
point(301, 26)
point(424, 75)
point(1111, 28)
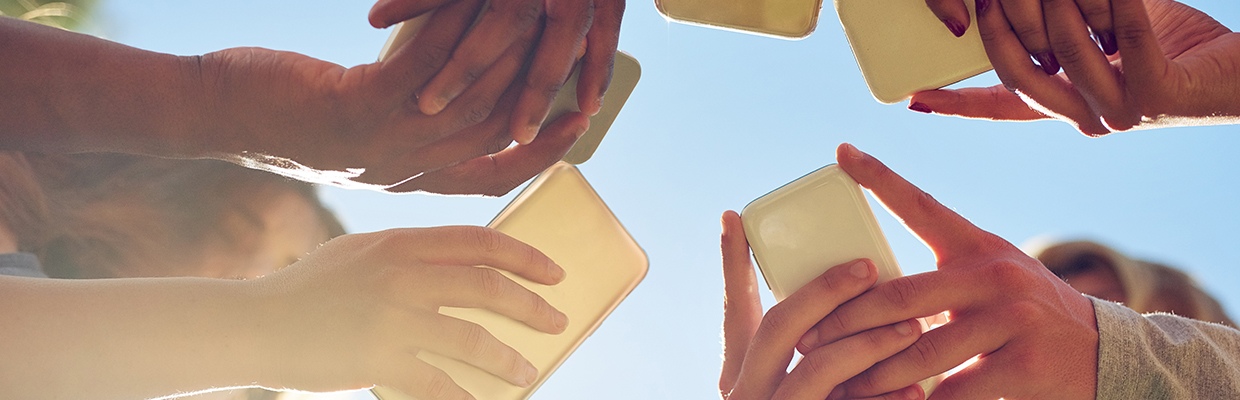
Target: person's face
point(1095, 277)
point(278, 234)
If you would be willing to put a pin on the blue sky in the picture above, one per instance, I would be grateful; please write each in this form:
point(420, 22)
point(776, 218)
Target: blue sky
point(721, 118)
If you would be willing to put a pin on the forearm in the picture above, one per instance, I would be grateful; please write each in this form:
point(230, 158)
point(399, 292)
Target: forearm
point(128, 338)
point(67, 92)
point(1164, 356)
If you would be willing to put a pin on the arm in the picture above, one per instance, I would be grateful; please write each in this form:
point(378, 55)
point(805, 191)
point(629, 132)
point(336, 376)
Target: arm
point(353, 314)
point(1164, 356)
point(67, 92)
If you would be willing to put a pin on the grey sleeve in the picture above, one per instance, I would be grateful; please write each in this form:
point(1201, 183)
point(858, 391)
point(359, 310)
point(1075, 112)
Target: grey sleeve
point(1161, 356)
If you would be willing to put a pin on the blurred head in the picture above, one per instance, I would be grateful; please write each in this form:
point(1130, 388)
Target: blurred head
point(114, 215)
point(1143, 286)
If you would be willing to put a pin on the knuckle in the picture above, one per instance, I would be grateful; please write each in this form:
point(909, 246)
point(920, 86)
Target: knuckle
point(1025, 314)
point(900, 293)
point(1009, 276)
point(486, 240)
point(1033, 36)
point(475, 341)
point(820, 366)
point(478, 111)
point(490, 284)
point(433, 57)
point(528, 13)
point(438, 385)
point(775, 321)
point(1068, 51)
point(866, 382)
point(923, 353)
point(473, 74)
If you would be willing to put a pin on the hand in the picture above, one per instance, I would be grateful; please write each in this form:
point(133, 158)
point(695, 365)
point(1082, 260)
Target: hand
point(757, 349)
point(326, 117)
point(357, 312)
point(565, 26)
point(1172, 66)
point(1035, 335)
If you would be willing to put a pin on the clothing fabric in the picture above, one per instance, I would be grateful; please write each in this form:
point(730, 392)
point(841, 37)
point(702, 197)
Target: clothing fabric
point(21, 264)
point(1162, 356)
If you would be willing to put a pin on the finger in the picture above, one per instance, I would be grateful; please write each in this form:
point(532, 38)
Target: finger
point(478, 287)
point(742, 308)
point(474, 245)
point(600, 58)
point(946, 233)
point(821, 370)
point(423, 381)
point(474, 345)
point(502, 22)
point(937, 351)
point(1144, 61)
point(952, 13)
point(784, 324)
point(1047, 94)
point(567, 23)
point(1025, 18)
point(913, 296)
point(497, 174)
point(416, 62)
point(1090, 71)
point(386, 13)
point(985, 379)
point(1097, 14)
point(913, 392)
point(461, 137)
point(993, 103)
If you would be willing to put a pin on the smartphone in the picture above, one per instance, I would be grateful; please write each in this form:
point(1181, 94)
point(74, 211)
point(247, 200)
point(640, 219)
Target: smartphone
point(902, 48)
point(560, 215)
point(625, 74)
point(821, 220)
point(785, 19)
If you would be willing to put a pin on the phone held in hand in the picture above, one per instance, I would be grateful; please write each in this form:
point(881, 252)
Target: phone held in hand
point(800, 230)
point(902, 48)
point(784, 19)
point(625, 74)
point(560, 215)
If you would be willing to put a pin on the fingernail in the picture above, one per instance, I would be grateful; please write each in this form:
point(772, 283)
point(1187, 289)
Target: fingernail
point(810, 339)
point(1106, 39)
point(956, 27)
point(437, 105)
point(919, 107)
point(852, 152)
point(557, 273)
point(981, 6)
point(581, 130)
point(561, 321)
point(837, 393)
point(598, 105)
point(529, 375)
point(1048, 62)
point(527, 135)
point(911, 393)
point(860, 269)
point(904, 328)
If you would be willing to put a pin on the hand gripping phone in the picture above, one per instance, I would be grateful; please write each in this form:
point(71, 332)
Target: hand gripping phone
point(625, 74)
point(560, 215)
point(816, 222)
point(902, 48)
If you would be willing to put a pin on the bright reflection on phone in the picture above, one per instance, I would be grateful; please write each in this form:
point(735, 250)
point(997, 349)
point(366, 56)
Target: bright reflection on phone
point(787, 19)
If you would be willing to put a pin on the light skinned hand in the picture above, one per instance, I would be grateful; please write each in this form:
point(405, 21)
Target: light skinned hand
point(1035, 335)
point(757, 349)
point(563, 27)
point(356, 312)
point(1156, 63)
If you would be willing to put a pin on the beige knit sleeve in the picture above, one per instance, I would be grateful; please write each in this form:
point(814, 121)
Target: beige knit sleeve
point(1162, 356)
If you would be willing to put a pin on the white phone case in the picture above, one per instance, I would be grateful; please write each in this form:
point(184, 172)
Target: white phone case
point(784, 19)
point(902, 48)
point(625, 74)
point(814, 223)
point(560, 215)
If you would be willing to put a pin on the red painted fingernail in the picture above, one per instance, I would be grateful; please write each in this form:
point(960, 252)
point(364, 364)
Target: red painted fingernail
point(981, 6)
point(1048, 62)
point(921, 108)
point(956, 27)
point(1106, 39)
